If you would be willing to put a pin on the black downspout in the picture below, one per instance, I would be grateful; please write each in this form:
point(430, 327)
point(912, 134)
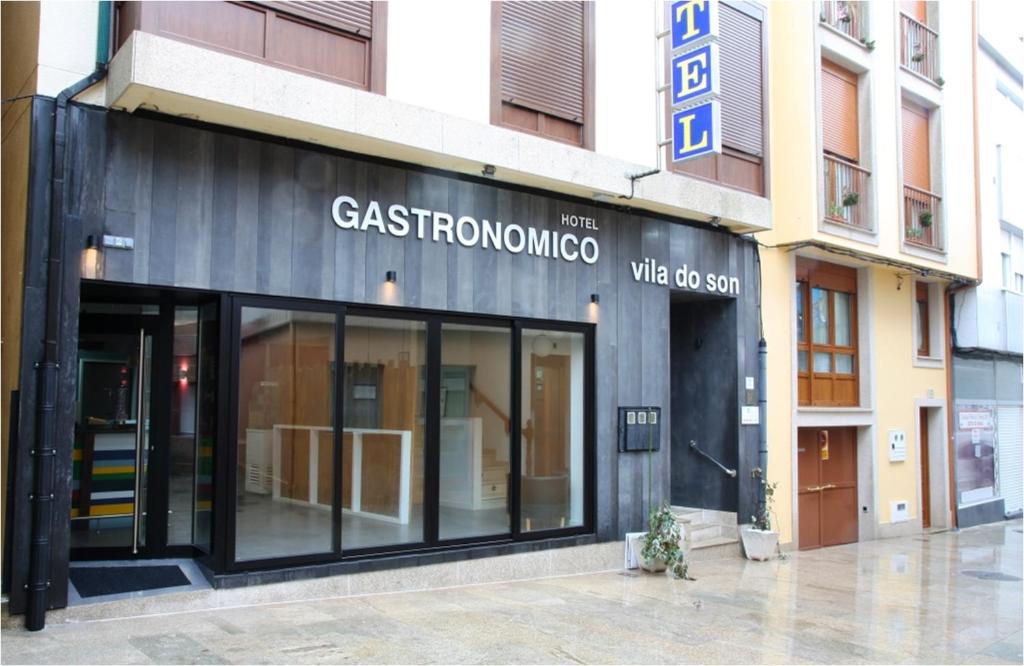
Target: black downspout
point(44, 451)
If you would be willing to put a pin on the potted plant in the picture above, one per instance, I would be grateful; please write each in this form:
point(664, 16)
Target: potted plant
point(661, 547)
point(914, 233)
point(918, 56)
point(851, 198)
point(925, 219)
point(760, 541)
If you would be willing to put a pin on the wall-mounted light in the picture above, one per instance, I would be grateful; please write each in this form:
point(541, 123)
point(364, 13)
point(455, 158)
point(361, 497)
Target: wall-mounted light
point(92, 259)
point(488, 170)
point(595, 299)
point(391, 276)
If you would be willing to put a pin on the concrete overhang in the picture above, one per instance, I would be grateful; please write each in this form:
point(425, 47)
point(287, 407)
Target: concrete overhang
point(182, 79)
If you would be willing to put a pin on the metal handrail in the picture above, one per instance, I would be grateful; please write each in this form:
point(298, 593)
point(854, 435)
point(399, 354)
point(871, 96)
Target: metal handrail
point(918, 23)
point(729, 472)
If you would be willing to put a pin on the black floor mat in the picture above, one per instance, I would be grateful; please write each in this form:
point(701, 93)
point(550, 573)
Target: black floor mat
point(98, 581)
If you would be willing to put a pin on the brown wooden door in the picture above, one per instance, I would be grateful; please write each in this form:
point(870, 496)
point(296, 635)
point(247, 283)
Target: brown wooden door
point(827, 482)
point(926, 512)
point(549, 393)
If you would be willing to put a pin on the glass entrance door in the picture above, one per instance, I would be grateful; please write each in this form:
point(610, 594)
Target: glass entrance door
point(144, 429)
point(112, 433)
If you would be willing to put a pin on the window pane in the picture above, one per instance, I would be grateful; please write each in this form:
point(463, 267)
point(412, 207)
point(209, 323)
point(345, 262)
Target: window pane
point(843, 332)
point(285, 430)
point(182, 437)
point(819, 315)
point(844, 364)
point(383, 436)
point(475, 383)
point(801, 359)
point(801, 323)
point(822, 362)
point(206, 425)
point(552, 430)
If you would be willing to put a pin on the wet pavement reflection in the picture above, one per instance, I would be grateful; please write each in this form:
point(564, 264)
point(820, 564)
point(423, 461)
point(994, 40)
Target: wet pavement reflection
point(951, 597)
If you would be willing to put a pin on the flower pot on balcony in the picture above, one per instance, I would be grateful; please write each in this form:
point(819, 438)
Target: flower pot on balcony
point(851, 198)
point(925, 219)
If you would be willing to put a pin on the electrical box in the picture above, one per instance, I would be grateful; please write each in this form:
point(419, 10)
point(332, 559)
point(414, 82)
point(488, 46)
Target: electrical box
point(898, 511)
point(897, 446)
point(639, 428)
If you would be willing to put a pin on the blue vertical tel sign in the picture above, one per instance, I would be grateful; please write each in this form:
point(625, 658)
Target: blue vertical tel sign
point(696, 116)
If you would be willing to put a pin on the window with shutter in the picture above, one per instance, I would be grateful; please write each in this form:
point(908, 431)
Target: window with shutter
point(742, 69)
point(339, 41)
point(916, 162)
point(839, 123)
point(541, 69)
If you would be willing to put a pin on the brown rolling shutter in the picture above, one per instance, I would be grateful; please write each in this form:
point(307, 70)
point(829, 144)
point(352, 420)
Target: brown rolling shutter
point(916, 162)
point(839, 111)
point(740, 49)
point(542, 53)
point(916, 9)
point(352, 16)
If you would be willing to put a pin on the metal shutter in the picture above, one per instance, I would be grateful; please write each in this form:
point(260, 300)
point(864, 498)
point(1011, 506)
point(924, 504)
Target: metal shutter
point(1011, 459)
point(916, 163)
point(740, 48)
point(542, 57)
point(355, 17)
point(839, 111)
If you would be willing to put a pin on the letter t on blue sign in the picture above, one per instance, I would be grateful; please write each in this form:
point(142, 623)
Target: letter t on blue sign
point(694, 74)
point(694, 131)
point(692, 21)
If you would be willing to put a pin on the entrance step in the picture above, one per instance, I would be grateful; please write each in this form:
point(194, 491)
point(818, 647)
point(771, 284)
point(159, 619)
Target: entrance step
point(708, 534)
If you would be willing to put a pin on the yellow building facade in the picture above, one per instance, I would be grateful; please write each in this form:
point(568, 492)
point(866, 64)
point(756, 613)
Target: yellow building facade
point(873, 180)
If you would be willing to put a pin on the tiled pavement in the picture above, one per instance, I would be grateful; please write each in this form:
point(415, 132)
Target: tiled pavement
point(894, 600)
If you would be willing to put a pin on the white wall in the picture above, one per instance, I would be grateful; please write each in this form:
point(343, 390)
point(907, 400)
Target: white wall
point(991, 316)
point(439, 56)
point(67, 43)
point(624, 89)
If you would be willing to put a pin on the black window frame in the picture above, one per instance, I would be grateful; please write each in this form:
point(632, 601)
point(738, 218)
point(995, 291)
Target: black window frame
point(226, 474)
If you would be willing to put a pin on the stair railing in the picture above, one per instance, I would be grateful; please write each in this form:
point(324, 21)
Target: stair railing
point(726, 470)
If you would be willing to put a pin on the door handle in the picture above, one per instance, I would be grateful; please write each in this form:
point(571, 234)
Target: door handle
point(828, 486)
point(812, 489)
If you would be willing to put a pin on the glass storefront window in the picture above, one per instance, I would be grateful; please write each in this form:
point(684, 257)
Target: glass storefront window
point(183, 441)
point(384, 432)
point(475, 431)
point(552, 430)
point(285, 433)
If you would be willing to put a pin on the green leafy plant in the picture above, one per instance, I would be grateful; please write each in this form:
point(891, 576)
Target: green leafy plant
point(869, 44)
point(662, 543)
point(915, 233)
point(763, 520)
point(925, 218)
point(939, 81)
point(918, 56)
point(836, 211)
point(851, 198)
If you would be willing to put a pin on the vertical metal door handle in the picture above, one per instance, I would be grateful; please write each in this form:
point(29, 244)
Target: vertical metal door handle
point(139, 425)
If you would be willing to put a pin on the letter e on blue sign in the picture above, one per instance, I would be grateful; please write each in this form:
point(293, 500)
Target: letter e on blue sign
point(693, 21)
point(695, 131)
point(694, 74)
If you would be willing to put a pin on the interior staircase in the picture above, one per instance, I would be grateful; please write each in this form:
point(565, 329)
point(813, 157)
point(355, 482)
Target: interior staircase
point(708, 534)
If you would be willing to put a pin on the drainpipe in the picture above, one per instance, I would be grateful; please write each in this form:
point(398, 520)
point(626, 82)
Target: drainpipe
point(44, 450)
point(762, 405)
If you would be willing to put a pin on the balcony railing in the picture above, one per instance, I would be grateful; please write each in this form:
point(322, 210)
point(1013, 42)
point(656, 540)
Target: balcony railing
point(846, 17)
point(919, 48)
point(846, 193)
point(922, 223)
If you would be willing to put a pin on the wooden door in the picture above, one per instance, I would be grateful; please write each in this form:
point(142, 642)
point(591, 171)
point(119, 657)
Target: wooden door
point(827, 482)
point(926, 494)
point(549, 403)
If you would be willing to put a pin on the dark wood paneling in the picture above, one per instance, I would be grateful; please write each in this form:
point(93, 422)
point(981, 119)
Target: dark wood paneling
point(264, 211)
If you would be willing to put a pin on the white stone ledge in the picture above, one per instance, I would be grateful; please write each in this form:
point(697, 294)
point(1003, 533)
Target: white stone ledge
point(183, 79)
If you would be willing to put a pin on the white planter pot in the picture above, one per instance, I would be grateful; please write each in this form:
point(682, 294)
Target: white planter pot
point(759, 545)
point(637, 546)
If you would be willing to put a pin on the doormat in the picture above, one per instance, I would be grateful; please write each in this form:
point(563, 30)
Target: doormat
point(100, 581)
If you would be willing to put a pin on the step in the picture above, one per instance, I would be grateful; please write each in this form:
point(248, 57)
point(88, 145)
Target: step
point(714, 549)
point(698, 533)
point(687, 514)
